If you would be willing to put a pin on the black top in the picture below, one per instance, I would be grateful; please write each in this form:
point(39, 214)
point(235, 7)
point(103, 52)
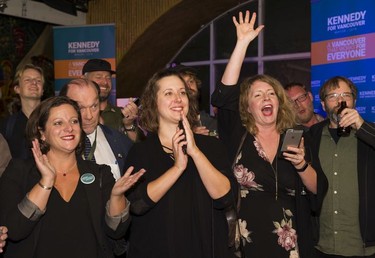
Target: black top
point(13, 128)
point(260, 209)
point(84, 215)
point(59, 236)
point(186, 222)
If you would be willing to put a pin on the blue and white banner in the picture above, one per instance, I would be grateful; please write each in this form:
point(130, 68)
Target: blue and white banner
point(343, 40)
point(74, 45)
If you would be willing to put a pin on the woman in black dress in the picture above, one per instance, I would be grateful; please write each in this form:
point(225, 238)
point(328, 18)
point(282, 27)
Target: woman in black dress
point(179, 208)
point(279, 191)
point(59, 205)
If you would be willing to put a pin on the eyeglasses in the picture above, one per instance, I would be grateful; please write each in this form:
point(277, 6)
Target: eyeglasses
point(335, 96)
point(300, 99)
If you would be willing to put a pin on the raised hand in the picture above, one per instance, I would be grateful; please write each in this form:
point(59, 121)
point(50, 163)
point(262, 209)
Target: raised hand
point(3, 237)
point(245, 27)
point(130, 112)
point(44, 166)
point(126, 181)
point(351, 117)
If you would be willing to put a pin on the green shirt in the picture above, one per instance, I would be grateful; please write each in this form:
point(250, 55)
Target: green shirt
point(112, 117)
point(339, 218)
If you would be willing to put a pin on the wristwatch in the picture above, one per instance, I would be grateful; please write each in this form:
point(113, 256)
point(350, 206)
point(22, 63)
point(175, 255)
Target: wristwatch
point(302, 169)
point(131, 129)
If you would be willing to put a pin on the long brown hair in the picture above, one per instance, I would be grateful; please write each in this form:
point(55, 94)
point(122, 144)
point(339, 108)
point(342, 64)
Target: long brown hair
point(149, 117)
point(285, 115)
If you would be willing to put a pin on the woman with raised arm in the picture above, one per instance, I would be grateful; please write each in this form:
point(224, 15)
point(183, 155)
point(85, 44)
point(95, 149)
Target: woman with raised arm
point(59, 205)
point(278, 191)
point(179, 208)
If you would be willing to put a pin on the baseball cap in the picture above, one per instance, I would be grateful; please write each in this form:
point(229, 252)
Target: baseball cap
point(93, 65)
point(183, 69)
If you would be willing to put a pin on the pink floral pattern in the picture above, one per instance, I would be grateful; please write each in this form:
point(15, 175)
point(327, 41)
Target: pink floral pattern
point(260, 150)
point(245, 178)
point(286, 233)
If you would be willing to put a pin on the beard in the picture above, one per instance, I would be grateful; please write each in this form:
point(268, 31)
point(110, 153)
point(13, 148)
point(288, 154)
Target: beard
point(332, 114)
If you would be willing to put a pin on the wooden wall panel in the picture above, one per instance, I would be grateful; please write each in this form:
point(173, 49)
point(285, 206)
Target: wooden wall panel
point(132, 18)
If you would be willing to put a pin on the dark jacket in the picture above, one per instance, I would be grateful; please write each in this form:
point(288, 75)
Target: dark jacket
point(13, 129)
point(366, 175)
point(21, 176)
point(119, 143)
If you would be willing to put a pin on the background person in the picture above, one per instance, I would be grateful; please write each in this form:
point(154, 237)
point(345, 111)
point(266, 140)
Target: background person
point(28, 84)
point(59, 205)
point(347, 227)
point(302, 101)
point(124, 120)
point(108, 146)
point(179, 208)
point(207, 124)
point(277, 193)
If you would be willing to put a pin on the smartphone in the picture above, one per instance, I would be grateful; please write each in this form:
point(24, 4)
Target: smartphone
point(137, 102)
point(292, 138)
point(181, 126)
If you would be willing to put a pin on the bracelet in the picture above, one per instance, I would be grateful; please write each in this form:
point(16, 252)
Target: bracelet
point(44, 187)
point(303, 168)
point(131, 129)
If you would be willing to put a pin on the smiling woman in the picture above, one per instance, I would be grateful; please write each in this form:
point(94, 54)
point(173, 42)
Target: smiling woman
point(275, 188)
point(180, 206)
point(51, 203)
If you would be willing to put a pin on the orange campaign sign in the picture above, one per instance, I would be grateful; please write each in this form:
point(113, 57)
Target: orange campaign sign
point(343, 49)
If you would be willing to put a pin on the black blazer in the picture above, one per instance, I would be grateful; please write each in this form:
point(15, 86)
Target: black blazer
point(119, 143)
point(21, 176)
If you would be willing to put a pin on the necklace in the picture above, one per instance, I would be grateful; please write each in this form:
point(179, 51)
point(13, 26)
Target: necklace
point(64, 173)
point(263, 154)
point(169, 151)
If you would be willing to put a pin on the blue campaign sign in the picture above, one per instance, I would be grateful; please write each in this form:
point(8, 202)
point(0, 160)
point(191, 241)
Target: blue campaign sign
point(336, 19)
point(343, 39)
point(76, 42)
point(74, 45)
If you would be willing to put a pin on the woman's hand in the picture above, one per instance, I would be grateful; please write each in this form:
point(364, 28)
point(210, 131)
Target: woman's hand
point(126, 181)
point(245, 27)
point(297, 155)
point(45, 168)
point(3, 237)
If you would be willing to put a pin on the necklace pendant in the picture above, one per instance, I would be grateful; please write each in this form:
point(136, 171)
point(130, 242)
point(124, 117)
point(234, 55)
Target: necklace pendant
point(64, 174)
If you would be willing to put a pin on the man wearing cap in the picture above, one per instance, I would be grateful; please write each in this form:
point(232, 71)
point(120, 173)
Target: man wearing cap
point(100, 71)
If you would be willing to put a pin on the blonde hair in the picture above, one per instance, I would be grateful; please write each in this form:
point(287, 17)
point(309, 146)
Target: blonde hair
point(285, 116)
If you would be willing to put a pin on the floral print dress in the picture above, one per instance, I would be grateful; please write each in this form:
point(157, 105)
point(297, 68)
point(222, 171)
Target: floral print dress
point(266, 216)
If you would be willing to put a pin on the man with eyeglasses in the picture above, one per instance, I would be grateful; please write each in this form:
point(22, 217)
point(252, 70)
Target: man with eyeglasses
point(302, 101)
point(29, 86)
point(347, 219)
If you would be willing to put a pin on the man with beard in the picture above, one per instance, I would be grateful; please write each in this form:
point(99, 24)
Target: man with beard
point(29, 85)
point(302, 101)
point(347, 225)
point(123, 120)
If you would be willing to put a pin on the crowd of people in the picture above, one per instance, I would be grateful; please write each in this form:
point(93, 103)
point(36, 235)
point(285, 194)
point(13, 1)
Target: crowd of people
point(81, 177)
